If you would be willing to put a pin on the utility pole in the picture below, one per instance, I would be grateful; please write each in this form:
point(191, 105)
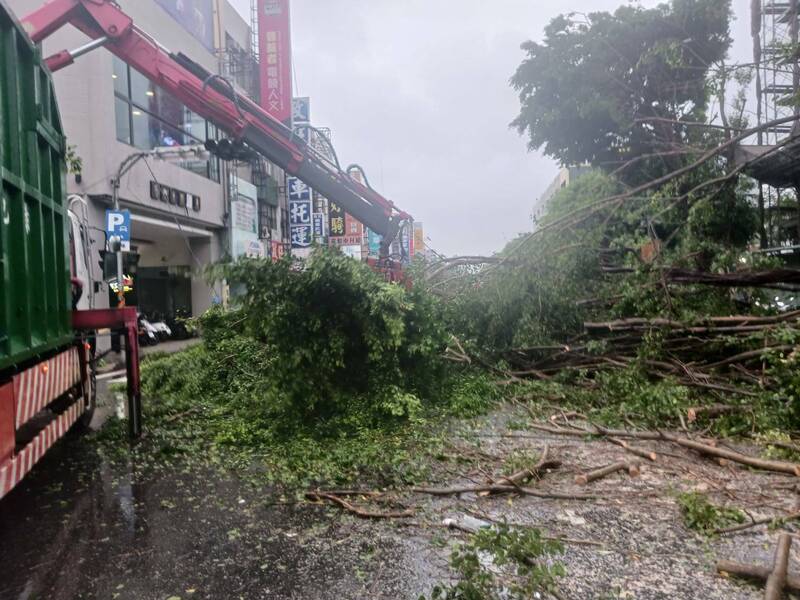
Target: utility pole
point(177, 153)
point(125, 166)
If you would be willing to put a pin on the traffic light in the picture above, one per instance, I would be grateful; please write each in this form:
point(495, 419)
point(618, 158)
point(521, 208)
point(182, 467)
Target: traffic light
point(108, 264)
point(228, 149)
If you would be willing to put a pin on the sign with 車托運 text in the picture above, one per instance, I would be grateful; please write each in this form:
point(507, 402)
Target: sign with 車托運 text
point(300, 213)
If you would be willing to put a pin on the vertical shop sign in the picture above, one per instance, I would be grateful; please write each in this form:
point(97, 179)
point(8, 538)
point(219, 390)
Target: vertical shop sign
point(275, 54)
point(335, 220)
point(419, 239)
point(319, 226)
point(244, 221)
point(301, 110)
point(374, 242)
point(300, 213)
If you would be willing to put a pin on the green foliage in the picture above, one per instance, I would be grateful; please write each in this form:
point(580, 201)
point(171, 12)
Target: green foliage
point(74, 160)
point(471, 393)
point(586, 88)
point(704, 517)
point(522, 554)
point(631, 392)
point(519, 460)
point(321, 374)
point(726, 218)
point(532, 301)
point(340, 336)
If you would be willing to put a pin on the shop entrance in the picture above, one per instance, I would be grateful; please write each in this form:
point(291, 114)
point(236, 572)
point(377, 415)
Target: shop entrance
point(164, 292)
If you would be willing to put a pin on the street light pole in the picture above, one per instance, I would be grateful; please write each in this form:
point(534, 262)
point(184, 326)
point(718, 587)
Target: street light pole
point(118, 244)
point(171, 153)
point(125, 166)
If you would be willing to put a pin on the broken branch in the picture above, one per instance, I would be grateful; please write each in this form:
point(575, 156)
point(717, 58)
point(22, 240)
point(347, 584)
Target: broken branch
point(359, 512)
point(757, 522)
point(500, 489)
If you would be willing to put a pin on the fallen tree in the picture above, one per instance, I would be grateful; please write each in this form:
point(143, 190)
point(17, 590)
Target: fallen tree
point(705, 449)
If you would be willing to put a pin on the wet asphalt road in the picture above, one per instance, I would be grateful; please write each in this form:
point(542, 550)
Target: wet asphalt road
point(80, 528)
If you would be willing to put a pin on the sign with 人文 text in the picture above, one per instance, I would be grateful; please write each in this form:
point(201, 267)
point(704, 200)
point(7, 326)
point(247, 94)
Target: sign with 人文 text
point(275, 52)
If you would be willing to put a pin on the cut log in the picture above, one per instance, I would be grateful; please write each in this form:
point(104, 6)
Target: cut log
point(752, 354)
point(631, 468)
point(755, 573)
point(785, 445)
point(776, 582)
point(625, 324)
point(758, 463)
point(714, 410)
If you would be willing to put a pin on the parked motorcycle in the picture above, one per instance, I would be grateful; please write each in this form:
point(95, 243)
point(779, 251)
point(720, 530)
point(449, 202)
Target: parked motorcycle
point(148, 335)
point(163, 330)
point(177, 324)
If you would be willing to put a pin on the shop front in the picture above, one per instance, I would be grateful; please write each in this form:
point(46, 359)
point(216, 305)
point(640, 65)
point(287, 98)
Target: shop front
point(167, 281)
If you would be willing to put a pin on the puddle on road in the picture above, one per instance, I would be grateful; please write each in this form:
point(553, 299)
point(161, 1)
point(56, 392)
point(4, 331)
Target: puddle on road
point(79, 528)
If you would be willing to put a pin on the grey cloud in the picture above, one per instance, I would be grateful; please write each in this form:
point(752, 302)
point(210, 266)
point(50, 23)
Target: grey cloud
point(417, 92)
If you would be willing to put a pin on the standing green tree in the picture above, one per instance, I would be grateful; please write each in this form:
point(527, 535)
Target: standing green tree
point(607, 89)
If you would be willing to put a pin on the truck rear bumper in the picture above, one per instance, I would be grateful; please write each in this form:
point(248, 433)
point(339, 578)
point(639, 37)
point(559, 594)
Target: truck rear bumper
point(16, 468)
point(25, 396)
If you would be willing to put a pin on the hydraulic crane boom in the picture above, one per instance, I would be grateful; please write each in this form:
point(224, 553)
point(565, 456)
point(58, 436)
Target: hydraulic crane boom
point(214, 99)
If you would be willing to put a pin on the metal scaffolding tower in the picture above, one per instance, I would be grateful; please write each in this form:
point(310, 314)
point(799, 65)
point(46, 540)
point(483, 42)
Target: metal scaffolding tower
point(776, 57)
point(254, 41)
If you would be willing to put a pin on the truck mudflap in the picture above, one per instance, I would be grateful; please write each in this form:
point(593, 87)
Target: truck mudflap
point(26, 395)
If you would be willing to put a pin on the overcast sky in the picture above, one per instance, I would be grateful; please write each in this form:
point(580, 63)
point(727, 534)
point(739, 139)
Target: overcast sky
point(417, 92)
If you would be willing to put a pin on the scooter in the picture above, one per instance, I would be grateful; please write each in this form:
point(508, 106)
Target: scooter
point(177, 324)
point(148, 335)
point(162, 330)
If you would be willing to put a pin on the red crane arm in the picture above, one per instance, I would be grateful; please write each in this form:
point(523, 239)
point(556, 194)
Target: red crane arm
point(105, 23)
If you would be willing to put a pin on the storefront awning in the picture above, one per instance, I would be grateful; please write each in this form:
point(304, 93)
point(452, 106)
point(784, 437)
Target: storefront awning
point(147, 227)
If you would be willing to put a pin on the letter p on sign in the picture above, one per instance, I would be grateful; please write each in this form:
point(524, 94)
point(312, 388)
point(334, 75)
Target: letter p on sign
point(118, 223)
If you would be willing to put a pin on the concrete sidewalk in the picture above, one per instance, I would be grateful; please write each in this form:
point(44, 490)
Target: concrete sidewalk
point(107, 401)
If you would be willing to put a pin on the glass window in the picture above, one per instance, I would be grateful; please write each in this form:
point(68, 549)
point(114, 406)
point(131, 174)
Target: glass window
point(123, 115)
point(148, 117)
point(195, 125)
point(120, 76)
point(141, 129)
point(143, 92)
point(164, 135)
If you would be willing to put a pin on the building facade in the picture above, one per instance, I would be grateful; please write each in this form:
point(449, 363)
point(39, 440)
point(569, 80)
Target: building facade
point(182, 209)
point(565, 176)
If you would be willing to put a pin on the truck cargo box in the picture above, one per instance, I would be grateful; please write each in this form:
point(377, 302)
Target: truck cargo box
point(35, 298)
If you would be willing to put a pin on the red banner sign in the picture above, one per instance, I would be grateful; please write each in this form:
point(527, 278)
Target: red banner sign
point(275, 56)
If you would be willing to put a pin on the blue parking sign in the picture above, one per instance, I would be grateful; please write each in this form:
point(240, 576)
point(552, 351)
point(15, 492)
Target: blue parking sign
point(118, 223)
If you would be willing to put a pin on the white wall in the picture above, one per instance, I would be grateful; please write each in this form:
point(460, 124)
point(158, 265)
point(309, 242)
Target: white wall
point(85, 93)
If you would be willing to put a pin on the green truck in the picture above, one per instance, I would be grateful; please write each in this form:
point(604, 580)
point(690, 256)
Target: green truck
point(47, 321)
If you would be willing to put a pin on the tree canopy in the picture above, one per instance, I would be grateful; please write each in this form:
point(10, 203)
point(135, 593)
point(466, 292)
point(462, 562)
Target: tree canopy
point(604, 88)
